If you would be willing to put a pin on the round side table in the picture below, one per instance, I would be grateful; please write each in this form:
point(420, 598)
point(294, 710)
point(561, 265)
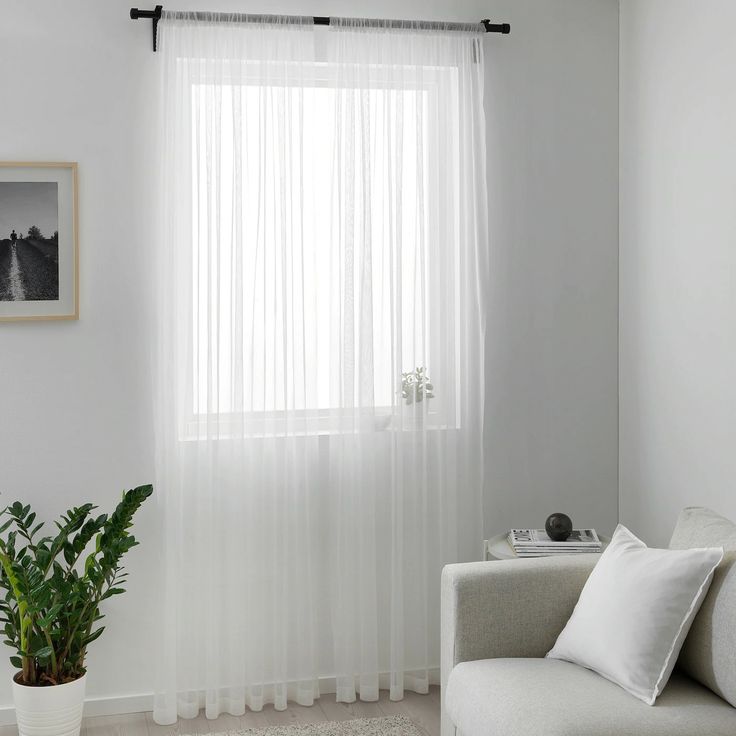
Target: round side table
point(498, 547)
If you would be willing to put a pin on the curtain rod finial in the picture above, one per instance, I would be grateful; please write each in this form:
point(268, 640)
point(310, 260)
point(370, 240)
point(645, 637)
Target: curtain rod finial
point(496, 27)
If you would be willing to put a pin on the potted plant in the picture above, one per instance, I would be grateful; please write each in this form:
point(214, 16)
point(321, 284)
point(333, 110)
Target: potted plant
point(416, 386)
point(54, 586)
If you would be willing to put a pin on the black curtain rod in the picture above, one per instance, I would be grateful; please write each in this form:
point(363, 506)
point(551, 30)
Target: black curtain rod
point(319, 20)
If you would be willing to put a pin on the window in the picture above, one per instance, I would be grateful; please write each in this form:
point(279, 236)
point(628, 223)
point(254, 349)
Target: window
point(313, 255)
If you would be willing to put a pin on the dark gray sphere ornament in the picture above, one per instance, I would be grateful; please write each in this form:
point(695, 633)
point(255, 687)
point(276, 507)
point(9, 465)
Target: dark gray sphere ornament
point(558, 527)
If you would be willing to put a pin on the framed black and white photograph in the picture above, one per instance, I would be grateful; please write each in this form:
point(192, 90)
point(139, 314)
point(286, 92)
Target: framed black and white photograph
point(38, 241)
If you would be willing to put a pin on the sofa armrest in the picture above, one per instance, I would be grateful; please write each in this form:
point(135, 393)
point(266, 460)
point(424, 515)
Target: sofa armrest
point(507, 608)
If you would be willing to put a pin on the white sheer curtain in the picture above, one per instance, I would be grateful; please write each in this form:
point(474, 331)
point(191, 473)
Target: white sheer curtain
point(324, 220)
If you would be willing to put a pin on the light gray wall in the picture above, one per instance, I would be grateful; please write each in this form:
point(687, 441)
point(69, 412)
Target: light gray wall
point(77, 82)
point(552, 111)
point(678, 261)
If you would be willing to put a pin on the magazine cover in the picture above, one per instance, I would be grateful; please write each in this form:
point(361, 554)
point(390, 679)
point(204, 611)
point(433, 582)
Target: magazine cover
point(539, 538)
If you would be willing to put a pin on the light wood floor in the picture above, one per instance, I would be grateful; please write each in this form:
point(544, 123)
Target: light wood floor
point(423, 710)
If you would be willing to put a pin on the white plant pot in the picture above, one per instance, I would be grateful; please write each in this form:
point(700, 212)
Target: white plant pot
point(54, 710)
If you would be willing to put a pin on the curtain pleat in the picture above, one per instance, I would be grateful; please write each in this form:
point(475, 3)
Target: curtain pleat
point(323, 232)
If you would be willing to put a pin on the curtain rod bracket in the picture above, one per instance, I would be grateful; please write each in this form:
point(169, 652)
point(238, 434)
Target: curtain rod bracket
point(155, 16)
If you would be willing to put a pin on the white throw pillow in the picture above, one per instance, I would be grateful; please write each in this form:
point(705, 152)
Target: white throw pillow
point(635, 611)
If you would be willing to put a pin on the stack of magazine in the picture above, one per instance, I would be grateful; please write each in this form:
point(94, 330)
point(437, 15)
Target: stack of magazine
point(536, 543)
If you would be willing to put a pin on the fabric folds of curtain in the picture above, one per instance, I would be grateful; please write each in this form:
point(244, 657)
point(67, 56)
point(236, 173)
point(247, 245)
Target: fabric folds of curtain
point(323, 245)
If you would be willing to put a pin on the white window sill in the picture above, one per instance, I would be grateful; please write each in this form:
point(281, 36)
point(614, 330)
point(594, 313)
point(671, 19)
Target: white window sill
point(308, 424)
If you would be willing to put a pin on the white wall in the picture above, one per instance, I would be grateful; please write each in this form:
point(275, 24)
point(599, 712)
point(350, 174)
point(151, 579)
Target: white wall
point(678, 261)
point(77, 82)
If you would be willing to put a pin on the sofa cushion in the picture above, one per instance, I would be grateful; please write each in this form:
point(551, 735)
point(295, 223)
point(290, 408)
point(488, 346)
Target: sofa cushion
point(709, 652)
point(518, 697)
point(635, 611)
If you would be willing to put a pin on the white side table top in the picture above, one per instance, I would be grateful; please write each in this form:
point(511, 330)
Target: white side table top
point(498, 547)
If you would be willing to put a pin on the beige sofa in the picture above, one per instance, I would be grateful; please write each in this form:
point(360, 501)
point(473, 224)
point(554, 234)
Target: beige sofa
point(500, 618)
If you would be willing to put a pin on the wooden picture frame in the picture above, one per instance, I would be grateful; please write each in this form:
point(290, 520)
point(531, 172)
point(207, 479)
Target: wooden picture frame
point(39, 241)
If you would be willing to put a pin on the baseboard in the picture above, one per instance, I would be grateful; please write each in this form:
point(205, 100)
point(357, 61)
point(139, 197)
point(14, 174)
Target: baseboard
point(143, 702)
point(97, 707)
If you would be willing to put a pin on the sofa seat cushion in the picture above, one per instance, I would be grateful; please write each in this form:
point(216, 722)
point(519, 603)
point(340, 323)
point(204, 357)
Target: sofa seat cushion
point(549, 697)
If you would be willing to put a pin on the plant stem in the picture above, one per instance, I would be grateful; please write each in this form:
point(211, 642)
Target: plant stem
point(25, 621)
point(54, 668)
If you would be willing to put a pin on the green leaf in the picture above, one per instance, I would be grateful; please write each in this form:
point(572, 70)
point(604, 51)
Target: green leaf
point(94, 635)
point(113, 591)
